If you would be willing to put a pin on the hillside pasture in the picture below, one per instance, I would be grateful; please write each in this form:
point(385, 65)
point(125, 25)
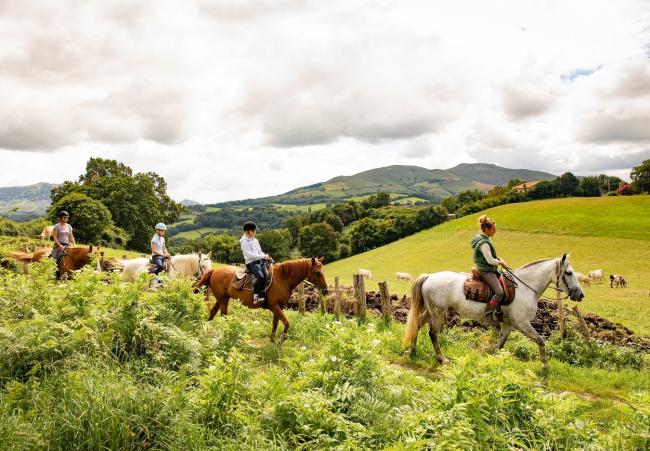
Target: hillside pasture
point(597, 232)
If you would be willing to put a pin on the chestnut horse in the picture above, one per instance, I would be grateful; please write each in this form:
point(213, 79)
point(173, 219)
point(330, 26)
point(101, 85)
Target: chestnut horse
point(75, 258)
point(286, 277)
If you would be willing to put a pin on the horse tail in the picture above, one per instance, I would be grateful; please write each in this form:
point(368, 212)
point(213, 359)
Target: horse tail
point(204, 281)
point(417, 305)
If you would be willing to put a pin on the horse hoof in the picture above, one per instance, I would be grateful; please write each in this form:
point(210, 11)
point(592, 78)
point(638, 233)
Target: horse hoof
point(442, 360)
point(409, 352)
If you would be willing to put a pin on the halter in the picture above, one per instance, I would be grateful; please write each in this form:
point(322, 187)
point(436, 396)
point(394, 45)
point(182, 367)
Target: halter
point(200, 271)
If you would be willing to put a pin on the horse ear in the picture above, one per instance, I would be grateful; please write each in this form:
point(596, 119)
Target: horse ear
point(563, 258)
point(313, 260)
point(200, 255)
point(90, 248)
point(209, 254)
point(320, 259)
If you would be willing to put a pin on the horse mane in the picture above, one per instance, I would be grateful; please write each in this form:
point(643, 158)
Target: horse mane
point(294, 269)
point(185, 264)
point(535, 263)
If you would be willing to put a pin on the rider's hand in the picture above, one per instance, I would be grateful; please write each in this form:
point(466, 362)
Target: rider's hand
point(503, 262)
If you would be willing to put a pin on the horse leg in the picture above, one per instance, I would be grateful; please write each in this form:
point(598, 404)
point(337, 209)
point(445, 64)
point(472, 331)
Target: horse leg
point(423, 319)
point(218, 304)
point(223, 307)
point(278, 314)
point(435, 327)
point(275, 327)
point(531, 333)
point(505, 331)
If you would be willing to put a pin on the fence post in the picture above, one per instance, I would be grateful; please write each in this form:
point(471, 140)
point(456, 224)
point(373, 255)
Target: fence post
point(360, 294)
point(337, 297)
point(561, 315)
point(301, 298)
point(323, 302)
point(385, 301)
point(581, 321)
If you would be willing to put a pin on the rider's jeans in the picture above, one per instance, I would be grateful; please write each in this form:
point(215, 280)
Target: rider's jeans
point(256, 268)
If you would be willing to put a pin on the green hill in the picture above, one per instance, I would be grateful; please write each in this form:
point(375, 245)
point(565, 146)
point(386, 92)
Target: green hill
point(611, 233)
point(496, 175)
point(31, 201)
point(402, 182)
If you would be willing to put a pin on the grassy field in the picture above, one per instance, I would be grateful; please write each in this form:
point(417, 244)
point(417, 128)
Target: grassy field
point(193, 234)
point(611, 233)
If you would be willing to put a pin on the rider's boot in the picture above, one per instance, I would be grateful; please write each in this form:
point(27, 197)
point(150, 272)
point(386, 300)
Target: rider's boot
point(490, 313)
point(258, 299)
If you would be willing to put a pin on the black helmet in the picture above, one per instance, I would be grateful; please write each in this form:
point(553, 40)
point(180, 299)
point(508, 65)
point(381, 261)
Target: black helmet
point(63, 213)
point(249, 225)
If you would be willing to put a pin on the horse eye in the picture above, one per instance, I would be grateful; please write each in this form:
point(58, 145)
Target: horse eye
point(569, 273)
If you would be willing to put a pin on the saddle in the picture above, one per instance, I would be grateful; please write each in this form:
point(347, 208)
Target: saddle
point(478, 291)
point(244, 279)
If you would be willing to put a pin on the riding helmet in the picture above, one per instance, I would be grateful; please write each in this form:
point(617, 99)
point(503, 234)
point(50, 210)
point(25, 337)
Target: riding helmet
point(63, 213)
point(249, 225)
point(161, 226)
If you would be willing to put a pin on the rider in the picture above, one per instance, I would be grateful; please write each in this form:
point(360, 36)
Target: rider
point(487, 262)
point(63, 237)
point(158, 249)
point(253, 257)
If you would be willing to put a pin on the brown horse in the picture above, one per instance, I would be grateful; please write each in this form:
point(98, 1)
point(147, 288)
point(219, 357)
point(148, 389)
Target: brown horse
point(75, 258)
point(286, 277)
point(31, 257)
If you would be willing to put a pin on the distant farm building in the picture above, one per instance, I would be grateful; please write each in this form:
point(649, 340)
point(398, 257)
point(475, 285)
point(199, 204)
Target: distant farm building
point(524, 187)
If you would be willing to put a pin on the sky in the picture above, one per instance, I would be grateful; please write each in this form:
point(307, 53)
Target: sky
point(236, 99)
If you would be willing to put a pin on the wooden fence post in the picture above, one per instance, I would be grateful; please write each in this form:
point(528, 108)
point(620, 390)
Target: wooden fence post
point(561, 316)
point(323, 302)
point(301, 298)
point(337, 297)
point(581, 321)
point(360, 294)
point(385, 301)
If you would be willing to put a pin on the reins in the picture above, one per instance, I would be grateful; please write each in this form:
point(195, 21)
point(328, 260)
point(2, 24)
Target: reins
point(541, 295)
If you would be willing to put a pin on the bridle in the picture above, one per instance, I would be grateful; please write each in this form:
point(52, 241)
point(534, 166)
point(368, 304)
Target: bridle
point(560, 273)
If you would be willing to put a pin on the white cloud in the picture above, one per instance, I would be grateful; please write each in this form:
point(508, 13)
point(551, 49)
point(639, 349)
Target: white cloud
point(243, 99)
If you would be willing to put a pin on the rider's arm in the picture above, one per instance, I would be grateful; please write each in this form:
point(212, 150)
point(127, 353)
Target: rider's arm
point(487, 253)
point(154, 251)
point(250, 252)
point(55, 235)
point(72, 241)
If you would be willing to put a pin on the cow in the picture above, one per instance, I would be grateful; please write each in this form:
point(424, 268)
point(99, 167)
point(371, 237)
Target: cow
point(618, 280)
point(365, 273)
point(585, 280)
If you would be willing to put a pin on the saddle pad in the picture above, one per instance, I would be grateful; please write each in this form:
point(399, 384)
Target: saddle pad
point(478, 291)
point(244, 280)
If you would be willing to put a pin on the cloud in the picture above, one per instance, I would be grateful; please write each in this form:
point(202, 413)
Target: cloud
point(633, 82)
point(523, 102)
point(417, 148)
point(608, 128)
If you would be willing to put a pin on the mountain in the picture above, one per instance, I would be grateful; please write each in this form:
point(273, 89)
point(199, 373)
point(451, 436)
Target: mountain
point(405, 182)
point(189, 202)
point(31, 201)
point(496, 175)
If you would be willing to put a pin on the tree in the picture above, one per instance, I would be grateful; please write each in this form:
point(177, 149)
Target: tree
point(88, 217)
point(136, 201)
point(365, 235)
point(589, 187)
point(640, 176)
point(468, 196)
point(276, 243)
point(319, 239)
point(567, 184)
point(609, 183)
point(544, 190)
point(430, 216)
point(514, 182)
point(220, 246)
point(293, 224)
point(449, 203)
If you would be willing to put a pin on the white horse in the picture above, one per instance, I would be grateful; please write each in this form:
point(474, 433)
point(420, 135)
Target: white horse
point(403, 276)
point(365, 273)
point(187, 265)
point(434, 294)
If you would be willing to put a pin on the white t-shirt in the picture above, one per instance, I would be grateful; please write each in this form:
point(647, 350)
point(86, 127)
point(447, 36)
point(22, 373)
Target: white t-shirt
point(159, 243)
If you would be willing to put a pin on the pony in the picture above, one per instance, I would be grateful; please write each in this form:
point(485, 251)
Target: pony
point(434, 294)
point(365, 273)
point(75, 258)
point(184, 265)
point(586, 280)
point(46, 233)
point(403, 276)
point(30, 257)
point(286, 277)
point(618, 280)
point(596, 275)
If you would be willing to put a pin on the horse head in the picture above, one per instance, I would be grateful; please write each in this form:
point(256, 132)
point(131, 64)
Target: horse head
point(205, 262)
point(317, 274)
point(567, 280)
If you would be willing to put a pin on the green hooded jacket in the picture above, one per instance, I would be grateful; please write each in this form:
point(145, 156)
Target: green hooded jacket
point(479, 260)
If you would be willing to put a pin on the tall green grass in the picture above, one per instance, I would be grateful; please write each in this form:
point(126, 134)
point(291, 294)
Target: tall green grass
point(96, 365)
